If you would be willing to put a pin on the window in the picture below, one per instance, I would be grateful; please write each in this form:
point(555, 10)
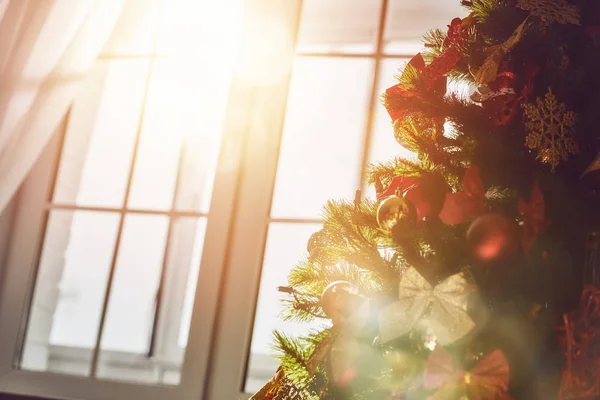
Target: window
point(333, 125)
point(184, 184)
point(115, 215)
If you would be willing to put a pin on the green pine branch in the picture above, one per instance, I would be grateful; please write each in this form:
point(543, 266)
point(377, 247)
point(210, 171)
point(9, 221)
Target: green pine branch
point(294, 354)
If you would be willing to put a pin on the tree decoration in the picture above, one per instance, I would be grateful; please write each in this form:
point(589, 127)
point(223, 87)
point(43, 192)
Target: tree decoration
point(489, 379)
point(492, 237)
point(462, 206)
point(552, 11)
point(436, 253)
point(406, 90)
point(489, 70)
point(580, 335)
point(551, 130)
point(450, 55)
point(392, 210)
point(442, 308)
point(340, 299)
point(398, 185)
point(432, 77)
point(533, 216)
point(416, 128)
point(501, 99)
point(426, 193)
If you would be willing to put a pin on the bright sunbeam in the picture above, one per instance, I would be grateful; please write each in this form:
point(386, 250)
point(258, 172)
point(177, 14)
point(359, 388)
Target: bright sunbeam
point(264, 59)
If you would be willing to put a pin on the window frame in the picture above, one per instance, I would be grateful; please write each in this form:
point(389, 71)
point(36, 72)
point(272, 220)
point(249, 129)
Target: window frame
point(23, 254)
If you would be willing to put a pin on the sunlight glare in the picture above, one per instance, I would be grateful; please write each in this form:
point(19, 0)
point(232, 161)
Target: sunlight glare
point(267, 47)
point(200, 37)
point(201, 30)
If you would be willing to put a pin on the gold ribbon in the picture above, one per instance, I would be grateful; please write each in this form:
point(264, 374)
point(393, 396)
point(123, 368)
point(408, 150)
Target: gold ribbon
point(489, 70)
point(442, 308)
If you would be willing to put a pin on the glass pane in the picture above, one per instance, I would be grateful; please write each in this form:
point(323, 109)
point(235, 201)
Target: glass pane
point(97, 153)
point(286, 244)
point(182, 131)
point(323, 134)
point(126, 344)
point(136, 28)
point(69, 291)
point(132, 300)
point(339, 26)
point(193, 269)
point(408, 20)
point(160, 143)
point(383, 144)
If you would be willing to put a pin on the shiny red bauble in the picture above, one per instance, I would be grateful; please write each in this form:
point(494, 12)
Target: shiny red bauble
point(492, 237)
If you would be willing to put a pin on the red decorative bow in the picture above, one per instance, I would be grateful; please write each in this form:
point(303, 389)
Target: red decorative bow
point(433, 75)
point(489, 379)
point(436, 84)
point(420, 191)
point(580, 337)
point(501, 99)
point(534, 217)
point(460, 207)
point(451, 55)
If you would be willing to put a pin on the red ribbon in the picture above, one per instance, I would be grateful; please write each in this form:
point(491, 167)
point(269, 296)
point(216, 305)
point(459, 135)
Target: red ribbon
point(534, 217)
point(398, 184)
point(488, 379)
point(436, 84)
point(433, 75)
point(411, 188)
point(580, 337)
point(462, 206)
point(501, 103)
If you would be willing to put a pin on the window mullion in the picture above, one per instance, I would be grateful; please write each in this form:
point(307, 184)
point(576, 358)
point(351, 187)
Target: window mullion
point(248, 233)
point(113, 265)
point(157, 329)
point(374, 92)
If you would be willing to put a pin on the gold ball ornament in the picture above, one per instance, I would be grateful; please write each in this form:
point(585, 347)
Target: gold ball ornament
point(392, 210)
point(340, 299)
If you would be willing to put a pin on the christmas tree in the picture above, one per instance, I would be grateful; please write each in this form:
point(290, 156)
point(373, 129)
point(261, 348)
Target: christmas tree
point(471, 275)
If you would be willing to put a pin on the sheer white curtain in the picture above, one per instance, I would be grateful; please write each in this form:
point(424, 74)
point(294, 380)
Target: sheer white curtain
point(46, 47)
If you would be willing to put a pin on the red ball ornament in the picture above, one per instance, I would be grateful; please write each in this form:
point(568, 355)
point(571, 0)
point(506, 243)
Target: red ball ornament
point(428, 195)
point(492, 237)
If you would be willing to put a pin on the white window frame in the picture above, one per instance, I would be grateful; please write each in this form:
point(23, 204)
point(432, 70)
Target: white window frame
point(24, 252)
